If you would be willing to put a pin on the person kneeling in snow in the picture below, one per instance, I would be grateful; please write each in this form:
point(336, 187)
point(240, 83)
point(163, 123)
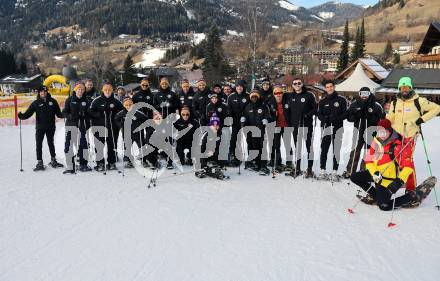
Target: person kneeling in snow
point(209, 143)
point(388, 167)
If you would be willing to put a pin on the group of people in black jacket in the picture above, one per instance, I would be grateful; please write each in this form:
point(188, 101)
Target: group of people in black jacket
point(265, 120)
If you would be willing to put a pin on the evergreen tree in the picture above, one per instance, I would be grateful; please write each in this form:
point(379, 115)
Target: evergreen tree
point(152, 78)
point(343, 56)
point(129, 72)
point(215, 67)
point(293, 71)
point(388, 50)
point(401, 4)
point(362, 40)
point(23, 68)
point(356, 49)
point(396, 58)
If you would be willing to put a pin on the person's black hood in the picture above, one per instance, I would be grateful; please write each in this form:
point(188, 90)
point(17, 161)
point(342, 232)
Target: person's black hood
point(39, 97)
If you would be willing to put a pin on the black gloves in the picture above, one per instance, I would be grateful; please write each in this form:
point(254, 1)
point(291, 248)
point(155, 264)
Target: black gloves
point(20, 115)
point(419, 121)
point(395, 185)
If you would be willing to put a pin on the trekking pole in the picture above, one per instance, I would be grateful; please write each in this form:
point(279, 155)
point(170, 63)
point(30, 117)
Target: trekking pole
point(332, 140)
point(242, 148)
point(172, 145)
point(354, 153)
point(115, 144)
point(391, 223)
point(428, 161)
point(105, 143)
point(21, 150)
point(351, 210)
point(312, 143)
point(141, 151)
point(275, 159)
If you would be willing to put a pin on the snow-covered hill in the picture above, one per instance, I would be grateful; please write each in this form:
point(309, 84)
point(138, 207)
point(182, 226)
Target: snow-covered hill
point(96, 227)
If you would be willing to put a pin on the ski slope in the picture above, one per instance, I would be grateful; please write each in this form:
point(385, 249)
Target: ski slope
point(250, 228)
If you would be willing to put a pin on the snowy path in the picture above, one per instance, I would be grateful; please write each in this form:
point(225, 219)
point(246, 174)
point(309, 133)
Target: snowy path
point(96, 227)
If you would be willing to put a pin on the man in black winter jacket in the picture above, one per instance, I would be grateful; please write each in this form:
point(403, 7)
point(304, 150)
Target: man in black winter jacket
point(166, 101)
point(332, 111)
point(103, 110)
point(186, 95)
point(91, 93)
point(144, 95)
point(77, 124)
point(365, 113)
point(257, 114)
point(45, 108)
point(300, 107)
point(185, 142)
point(137, 119)
point(237, 102)
point(266, 91)
point(201, 100)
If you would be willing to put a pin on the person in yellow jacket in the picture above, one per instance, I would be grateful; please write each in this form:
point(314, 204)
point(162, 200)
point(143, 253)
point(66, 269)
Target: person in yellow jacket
point(407, 112)
point(388, 167)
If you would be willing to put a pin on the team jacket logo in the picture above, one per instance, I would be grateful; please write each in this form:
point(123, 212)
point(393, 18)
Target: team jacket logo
point(50, 103)
point(219, 109)
point(243, 100)
point(336, 104)
point(83, 103)
point(169, 96)
point(303, 100)
point(260, 111)
point(370, 110)
point(286, 106)
point(112, 105)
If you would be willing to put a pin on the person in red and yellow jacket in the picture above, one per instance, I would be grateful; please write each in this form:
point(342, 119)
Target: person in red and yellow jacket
point(407, 113)
point(389, 165)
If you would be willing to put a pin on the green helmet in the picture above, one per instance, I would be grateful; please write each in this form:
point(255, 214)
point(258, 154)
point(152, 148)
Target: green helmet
point(405, 81)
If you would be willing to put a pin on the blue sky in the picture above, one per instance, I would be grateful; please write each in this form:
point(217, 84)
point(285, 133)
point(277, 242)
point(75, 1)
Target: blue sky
point(311, 3)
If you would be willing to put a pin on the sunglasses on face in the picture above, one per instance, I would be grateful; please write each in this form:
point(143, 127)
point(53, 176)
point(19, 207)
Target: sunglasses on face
point(297, 84)
point(144, 85)
point(184, 114)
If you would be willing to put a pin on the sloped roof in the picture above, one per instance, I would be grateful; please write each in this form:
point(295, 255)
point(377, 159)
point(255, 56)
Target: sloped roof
point(356, 81)
point(432, 38)
point(372, 66)
point(427, 78)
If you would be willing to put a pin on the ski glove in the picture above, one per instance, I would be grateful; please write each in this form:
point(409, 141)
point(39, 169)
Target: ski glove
point(395, 185)
point(419, 121)
point(20, 115)
point(377, 177)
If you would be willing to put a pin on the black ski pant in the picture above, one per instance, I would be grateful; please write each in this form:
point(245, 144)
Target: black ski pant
point(379, 192)
point(355, 155)
point(276, 147)
point(257, 143)
point(334, 139)
point(110, 139)
point(299, 133)
point(183, 144)
point(77, 139)
point(39, 137)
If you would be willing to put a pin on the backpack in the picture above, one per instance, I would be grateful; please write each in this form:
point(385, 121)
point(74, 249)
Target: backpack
point(416, 103)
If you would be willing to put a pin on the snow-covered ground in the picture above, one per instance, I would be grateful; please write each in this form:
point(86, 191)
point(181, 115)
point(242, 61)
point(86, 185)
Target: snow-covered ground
point(150, 57)
point(96, 227)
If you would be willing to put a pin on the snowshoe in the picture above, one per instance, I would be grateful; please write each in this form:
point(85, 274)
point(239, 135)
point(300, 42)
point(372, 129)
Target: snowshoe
point(55, 164)
point(111, 167)
point(288, 168)
point(66, 172)
point(200, 174)
point(100, 167)
point(425, 187)
point(248, 165)
point(309, 173)
point(322, 176)
point(334, 177)
point(367, 199)
point(39, 166)
point(264, 171)
point(215, 172)
point(85, 168)
point(294, 173)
